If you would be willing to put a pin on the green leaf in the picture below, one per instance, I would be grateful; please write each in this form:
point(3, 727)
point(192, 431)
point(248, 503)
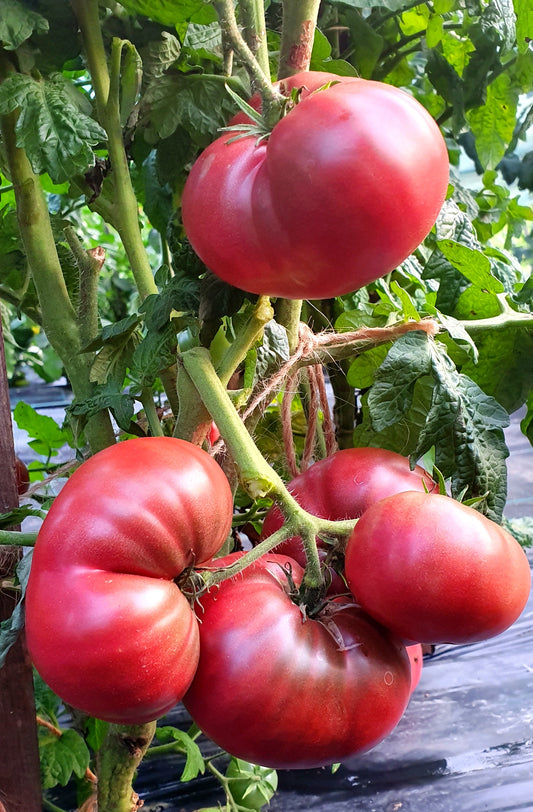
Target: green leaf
point(504, 369)
point(392, 5)
point(466, 427)
point(274, 350)
point(419, 401)
point(494, 123)
point(61, 757)
point(15, 517)
point(17, 24)
point(474, 265)
point(41, 427)
point(524, 24)
point(172, 12)
point(392, 393)
point(195, 763)
point(197, 102)
point(52, 128)
point(362, 370)
point(121, 405)
point(156, 352)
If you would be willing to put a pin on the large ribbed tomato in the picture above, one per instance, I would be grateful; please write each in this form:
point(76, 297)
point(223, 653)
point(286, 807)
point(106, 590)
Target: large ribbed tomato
point(344, 485)
point(285, 690)
point(346, 186)
point(436, 571)
point(107, 626)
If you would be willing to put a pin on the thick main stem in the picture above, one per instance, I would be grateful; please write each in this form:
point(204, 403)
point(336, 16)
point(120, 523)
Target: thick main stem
point(297, 36)
point(118, 760)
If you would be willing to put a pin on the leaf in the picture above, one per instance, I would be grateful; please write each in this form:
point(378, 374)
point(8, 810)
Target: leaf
point(504, 369)
point(466, 427)
point(392, 393)
point(15, 517)
point(392, 5)
point(52, 128)
point(362, 370)
point(156, 352)
point(196, 102)
point(274, 350)
point(172, 12)
point(17, 24)
point(120, 404)
point(61, 757)
point(41, 427)
point(419, 401)
point(494, 123)
point(524, 24)
point(474, 265)
point(195, 763)
point(158, 56)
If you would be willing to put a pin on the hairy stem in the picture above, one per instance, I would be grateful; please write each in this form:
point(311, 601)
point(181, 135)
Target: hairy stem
point(272, 101)
point(252, 14)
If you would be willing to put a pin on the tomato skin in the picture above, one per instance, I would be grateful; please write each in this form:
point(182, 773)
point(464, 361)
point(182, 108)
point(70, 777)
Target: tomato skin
point(107, 627)
point(276, 690)
point(436, 571)
point(348, 184)
point(416, 658)
point(344, 485)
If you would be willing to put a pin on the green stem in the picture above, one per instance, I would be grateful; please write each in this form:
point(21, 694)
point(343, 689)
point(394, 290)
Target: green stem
point(50, 807)
point(147, 400)
point(288, 313)
point(236, 352)
point(106, 85)
point(272, 101)
point(252, 14)
point(509, 318)
point(15, 538)
point(89, 270)
point(297, 36)
point(118, 760)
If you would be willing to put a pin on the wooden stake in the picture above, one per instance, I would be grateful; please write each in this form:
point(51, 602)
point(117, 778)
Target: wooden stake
point(20, 780)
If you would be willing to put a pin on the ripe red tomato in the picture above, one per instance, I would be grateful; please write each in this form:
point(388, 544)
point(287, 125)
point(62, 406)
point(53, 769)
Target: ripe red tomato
point(107, 626)
point(436, 571)
point(344, 485)
point(346, 186)
point(285, 691)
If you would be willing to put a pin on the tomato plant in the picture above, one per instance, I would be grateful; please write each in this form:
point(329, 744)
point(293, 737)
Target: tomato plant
point(346, 186)
point(435, 570)
point(344, 485)
point(107, 626)
point(282, 690)
point(104, 109)
point(22, 476)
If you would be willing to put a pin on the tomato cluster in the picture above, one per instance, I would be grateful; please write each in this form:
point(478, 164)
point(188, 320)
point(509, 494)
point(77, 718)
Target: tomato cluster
point(269, 678)
point(348, 183)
